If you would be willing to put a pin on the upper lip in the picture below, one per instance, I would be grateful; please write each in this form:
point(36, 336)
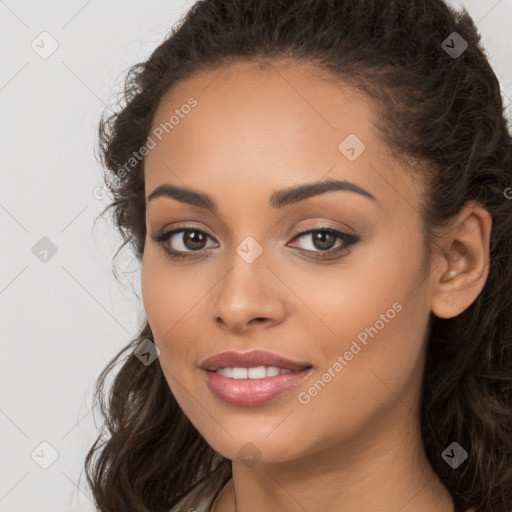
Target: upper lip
point(249, 360)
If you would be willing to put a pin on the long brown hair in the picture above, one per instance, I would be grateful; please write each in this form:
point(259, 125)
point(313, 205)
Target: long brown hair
point(440, 113)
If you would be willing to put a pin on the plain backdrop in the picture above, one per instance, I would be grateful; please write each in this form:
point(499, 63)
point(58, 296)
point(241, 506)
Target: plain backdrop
point(63, 315)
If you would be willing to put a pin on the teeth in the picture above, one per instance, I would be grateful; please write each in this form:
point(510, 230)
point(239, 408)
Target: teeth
point(227, 372)
point(257, 372)
point(239, 373)
point(260, 372)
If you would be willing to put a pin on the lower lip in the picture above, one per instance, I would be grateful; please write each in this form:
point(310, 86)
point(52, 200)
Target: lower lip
point(248, 392)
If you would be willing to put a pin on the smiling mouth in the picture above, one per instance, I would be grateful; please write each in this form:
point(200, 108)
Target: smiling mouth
point(248, 387)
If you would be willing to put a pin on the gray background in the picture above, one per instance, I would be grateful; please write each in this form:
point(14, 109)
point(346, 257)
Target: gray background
point(63, 319)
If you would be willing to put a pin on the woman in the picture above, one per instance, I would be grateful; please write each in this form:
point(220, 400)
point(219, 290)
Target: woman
point(316, 191)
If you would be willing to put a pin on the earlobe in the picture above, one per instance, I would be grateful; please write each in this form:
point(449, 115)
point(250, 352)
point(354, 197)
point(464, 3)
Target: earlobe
point(462, 264)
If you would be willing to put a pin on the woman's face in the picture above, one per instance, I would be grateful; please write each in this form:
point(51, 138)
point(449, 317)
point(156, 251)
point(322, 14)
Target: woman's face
point(355, 309)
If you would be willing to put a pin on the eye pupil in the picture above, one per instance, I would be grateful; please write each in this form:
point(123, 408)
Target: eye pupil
point(320, 237)
point(191, 238)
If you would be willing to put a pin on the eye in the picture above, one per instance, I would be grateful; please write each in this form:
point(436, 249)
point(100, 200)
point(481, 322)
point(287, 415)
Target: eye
point(189, 239)
point(322, 240)
point(185, 242)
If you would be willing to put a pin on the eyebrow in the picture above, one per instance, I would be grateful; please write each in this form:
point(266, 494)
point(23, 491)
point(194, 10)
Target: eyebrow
point(278, 199)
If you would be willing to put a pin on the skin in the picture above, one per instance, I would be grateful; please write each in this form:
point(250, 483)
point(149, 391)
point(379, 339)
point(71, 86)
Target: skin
point(356, 446)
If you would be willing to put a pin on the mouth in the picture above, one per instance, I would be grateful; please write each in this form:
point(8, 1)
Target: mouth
point(252, 378)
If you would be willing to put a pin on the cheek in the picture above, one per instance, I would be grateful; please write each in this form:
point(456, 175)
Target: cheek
point(345, 299)
point(371, 362)
point(170, 303)
point(372, 312)
point(169, 295)
point(175, 305)
point(156, 296)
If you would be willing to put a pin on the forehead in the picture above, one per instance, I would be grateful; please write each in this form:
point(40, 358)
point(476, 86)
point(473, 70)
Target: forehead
point(278, 123)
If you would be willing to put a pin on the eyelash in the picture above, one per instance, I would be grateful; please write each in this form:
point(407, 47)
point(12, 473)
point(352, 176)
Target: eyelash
point(349, 240)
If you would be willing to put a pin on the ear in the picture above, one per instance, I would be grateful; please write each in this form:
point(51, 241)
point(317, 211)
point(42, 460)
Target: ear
point(461, 262)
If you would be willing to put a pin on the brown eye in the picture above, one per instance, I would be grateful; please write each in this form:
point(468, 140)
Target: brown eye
point(182, 242)
point(322, 241)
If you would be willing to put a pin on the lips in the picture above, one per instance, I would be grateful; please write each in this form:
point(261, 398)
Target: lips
point(250, 360)
point(253, 392)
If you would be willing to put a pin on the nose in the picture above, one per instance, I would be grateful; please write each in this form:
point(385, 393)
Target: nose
point(249, 295)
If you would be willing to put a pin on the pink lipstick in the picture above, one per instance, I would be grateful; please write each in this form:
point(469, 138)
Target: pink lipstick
point(252, 378)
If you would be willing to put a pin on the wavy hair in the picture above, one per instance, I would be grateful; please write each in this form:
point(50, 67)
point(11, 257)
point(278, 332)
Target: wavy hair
point(440, 114)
